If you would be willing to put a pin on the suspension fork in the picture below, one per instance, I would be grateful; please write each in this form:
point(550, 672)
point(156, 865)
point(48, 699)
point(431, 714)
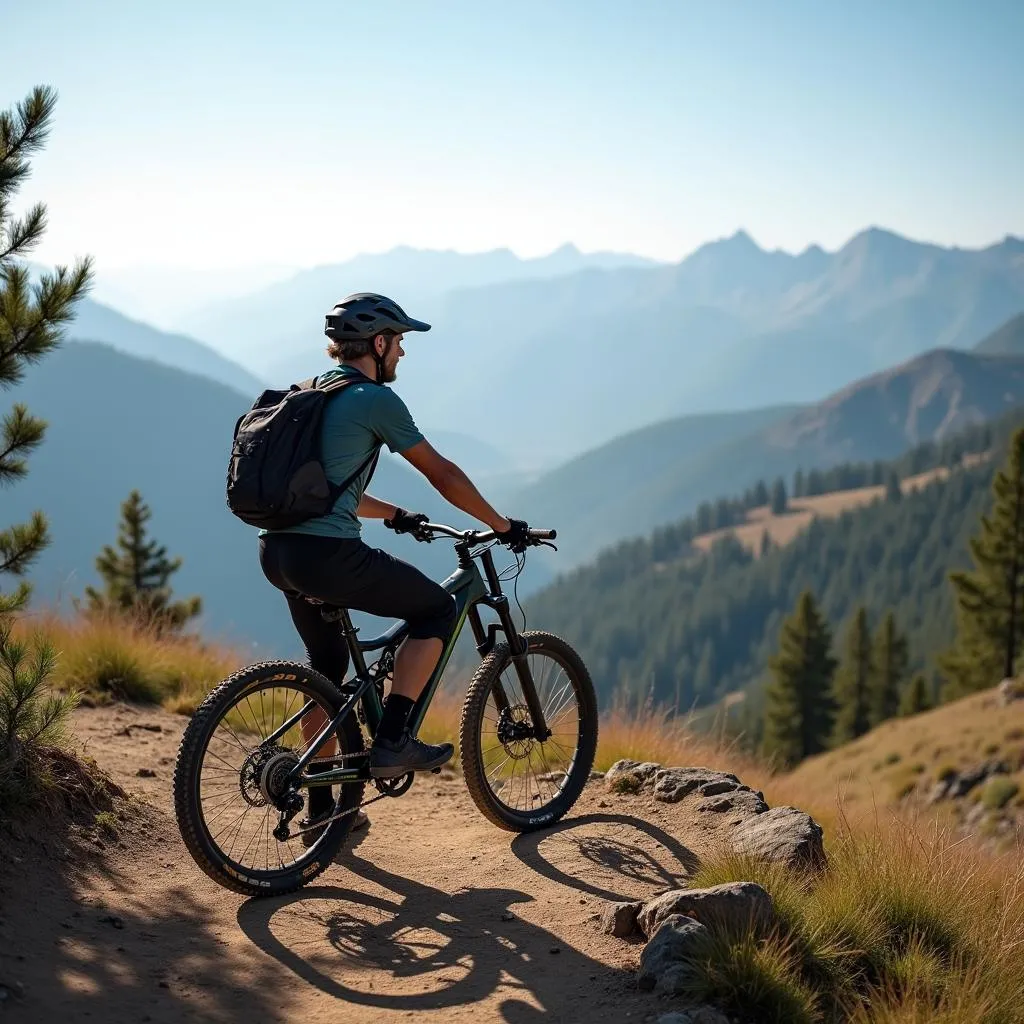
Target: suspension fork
point(517, 646)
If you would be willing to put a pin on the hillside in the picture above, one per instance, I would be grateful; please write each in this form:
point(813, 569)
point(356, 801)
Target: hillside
point(117, 423)
point(1007, 340)
point(96, 322)
point(782, 528)
point(653, 619)
point(657, 475)
point(901, 760)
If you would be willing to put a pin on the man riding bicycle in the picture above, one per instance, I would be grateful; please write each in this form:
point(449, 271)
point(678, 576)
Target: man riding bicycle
point(325, 558)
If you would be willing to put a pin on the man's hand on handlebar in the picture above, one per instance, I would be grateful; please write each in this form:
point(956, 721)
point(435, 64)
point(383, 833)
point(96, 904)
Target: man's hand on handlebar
point(410, 522)
point(517, 537)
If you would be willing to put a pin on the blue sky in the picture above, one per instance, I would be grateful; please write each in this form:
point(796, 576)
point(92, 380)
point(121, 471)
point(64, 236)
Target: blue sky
point(212, 134)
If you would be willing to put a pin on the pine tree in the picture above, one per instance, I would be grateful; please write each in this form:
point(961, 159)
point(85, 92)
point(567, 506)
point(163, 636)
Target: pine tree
point(766, 542)
point(852, 689)
point(990, 602)
point(915, 698)
point(779, 500)
point(32, 318)
point(761, 496)
point(890, 670)
point(798, 484)
point(136, 574)
point(893, 491)
point(798, 704)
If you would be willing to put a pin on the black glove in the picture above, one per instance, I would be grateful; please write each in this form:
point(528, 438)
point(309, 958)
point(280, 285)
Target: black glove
point(409, 522)
point(517, 537)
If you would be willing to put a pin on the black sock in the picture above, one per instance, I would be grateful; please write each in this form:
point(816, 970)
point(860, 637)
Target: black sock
point(396, 714)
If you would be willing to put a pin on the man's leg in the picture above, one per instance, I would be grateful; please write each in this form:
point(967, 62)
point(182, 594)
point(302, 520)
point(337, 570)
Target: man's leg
point(396, 589)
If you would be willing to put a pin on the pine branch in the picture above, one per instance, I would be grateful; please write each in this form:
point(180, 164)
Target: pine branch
point(22, 133)
point(21, 433)
point(23, 235)
point(28, 331)
point(21, 544)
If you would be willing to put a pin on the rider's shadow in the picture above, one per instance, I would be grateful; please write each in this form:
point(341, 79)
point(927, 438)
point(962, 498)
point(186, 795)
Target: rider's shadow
point(457, 944)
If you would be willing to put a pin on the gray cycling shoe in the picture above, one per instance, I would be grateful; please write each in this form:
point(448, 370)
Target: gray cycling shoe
point(389, 759)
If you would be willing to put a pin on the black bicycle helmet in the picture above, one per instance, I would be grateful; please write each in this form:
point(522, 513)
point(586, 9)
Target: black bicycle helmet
point(364, 315)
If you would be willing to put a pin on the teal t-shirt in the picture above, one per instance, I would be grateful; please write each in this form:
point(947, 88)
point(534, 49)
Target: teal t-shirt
point(357, 421)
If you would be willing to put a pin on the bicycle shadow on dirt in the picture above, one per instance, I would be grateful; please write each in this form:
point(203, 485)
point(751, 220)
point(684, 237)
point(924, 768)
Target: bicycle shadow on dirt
point(665, 864)
point(460, 948)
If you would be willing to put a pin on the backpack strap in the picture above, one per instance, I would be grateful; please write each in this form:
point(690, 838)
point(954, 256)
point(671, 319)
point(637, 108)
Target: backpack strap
point(336, 386)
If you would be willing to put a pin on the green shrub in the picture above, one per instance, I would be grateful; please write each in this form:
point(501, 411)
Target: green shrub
point(999, 790)
point(33, 718)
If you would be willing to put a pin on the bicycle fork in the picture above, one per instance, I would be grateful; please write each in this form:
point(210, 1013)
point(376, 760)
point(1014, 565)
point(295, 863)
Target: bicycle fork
point(485, 640)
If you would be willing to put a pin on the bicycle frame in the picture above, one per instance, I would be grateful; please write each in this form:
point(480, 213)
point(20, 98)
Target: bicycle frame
point(470, 591)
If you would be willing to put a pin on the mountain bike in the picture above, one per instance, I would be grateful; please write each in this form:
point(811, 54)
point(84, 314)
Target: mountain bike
point(273, 731)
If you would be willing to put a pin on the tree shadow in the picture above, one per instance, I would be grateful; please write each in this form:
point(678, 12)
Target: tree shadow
point(461, 948)
point(78, 941)
point(610, 855)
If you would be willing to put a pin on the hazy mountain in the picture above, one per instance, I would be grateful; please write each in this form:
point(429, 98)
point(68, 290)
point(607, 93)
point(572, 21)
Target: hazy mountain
point(288, 315)
point(661, 474)
point(117, 423)
point(96, 322)
point(164, 296)
point(554, 366)
point(1007, 340)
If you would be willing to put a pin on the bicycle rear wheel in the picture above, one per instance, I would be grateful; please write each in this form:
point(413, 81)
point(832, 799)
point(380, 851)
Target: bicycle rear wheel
point(517, 782)
point(228, 777)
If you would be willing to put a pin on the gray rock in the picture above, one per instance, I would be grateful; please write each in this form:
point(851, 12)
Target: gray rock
point(676, 979)
point(677, 939)
point(673, 784)
point(743, 802)
point(619, 919)
point(630, 776)
point(733, 904)
point(1010, 690)
point(707, 1015)
point(784, 835)
point(698, 1015)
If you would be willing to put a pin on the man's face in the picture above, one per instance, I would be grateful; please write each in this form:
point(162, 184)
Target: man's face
point(391, 359)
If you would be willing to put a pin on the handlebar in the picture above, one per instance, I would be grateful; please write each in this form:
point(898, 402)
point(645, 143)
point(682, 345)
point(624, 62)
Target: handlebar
point(482, 536)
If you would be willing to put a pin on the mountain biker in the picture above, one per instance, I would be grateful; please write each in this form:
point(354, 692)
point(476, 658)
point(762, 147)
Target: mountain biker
point(325, 559)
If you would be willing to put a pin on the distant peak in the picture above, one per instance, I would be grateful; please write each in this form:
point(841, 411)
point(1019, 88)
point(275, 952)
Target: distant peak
point(566, 249)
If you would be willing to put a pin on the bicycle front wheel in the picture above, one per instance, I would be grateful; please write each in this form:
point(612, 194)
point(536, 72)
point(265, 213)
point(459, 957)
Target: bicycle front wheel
point(517, 782)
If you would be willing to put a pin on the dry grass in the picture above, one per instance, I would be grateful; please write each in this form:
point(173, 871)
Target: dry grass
point(110, 657)
point(783, 529)
point(906, 924)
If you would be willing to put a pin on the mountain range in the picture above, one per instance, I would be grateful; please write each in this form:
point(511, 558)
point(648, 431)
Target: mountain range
point(548, 364)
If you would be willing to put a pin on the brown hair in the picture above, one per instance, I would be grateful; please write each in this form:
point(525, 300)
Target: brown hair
point(354, 348)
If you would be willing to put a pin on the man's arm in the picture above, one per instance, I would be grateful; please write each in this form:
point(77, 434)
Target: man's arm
point(453, 485)
point(373, 508)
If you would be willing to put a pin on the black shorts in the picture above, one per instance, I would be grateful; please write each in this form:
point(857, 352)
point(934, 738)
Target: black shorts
point(346, 572)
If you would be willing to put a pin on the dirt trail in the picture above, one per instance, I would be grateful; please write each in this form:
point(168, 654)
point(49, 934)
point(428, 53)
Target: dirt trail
point(430, 913)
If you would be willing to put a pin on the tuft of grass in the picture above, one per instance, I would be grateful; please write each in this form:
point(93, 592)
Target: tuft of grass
point(998, 791)
point(112, 657)
point(893, 757)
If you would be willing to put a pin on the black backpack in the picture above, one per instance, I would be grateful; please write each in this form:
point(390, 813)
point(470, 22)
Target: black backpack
point(275, 476)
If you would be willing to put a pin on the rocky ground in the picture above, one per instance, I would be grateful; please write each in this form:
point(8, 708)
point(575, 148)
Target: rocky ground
point(431, 912)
